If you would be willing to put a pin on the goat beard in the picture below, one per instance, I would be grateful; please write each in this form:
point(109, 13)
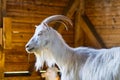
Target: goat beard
point(42, 57)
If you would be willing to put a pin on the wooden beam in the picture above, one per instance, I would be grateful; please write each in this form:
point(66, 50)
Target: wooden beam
point(72, 8)
point(79, 34)
point(91, 33)
point(69, 13)
point(7, 33)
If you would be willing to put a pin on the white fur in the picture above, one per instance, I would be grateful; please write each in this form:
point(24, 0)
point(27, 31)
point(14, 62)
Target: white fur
point(81, 63)
point(104, 66)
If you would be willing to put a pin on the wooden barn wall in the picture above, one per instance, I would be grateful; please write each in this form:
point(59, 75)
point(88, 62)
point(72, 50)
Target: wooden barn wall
point(23, 15)
point(31, 12)
point(105, 16)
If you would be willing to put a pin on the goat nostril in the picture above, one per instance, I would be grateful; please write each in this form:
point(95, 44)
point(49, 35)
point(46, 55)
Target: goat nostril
point(27, 46)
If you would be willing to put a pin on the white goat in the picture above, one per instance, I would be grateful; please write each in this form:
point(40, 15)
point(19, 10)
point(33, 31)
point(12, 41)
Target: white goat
point(81, 63)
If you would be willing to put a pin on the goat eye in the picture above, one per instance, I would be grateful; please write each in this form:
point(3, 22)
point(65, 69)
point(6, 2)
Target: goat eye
point(39, 34)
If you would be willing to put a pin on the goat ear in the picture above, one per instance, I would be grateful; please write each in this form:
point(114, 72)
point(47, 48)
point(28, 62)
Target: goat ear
point(36, 26)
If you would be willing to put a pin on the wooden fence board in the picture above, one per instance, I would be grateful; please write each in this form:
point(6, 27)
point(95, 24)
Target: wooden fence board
point(7, 32)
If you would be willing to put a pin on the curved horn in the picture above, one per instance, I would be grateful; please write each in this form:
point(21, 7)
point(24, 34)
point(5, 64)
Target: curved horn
point(59, 18)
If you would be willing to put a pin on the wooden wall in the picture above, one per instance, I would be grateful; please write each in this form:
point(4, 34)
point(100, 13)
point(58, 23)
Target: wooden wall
point(31, 12)
point(105, 15)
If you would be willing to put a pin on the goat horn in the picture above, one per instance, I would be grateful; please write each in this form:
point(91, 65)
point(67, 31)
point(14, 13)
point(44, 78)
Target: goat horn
point(59, 18)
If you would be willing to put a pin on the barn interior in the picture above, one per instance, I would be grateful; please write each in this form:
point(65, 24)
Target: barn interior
point(96, 24)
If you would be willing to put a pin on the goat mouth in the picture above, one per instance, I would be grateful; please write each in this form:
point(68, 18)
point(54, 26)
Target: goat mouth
point(29, 49)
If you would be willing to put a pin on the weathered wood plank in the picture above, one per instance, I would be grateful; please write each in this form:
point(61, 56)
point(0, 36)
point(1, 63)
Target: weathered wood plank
point(12, 58)
point(112, 38)
point(107, 21)
point(108, 31)
point(27, 20)
point(55, 3)
point(17, 66)
point(1, 43)
point(33, 10)
point(7, 32)
point(23, 78)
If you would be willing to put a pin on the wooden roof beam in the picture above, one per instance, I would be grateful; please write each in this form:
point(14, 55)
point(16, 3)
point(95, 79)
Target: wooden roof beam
point(91, 33)
point(83, 26)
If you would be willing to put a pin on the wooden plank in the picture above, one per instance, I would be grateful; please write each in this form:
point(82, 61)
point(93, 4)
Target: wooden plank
point(17, 66)
point(105, 20)
point(79, 34)
point(108, 31)
point(34, 10)
point(12, 58)
point(23, 78)
point(111, 38)
point(103, 11)
point(19, 45)
point(1, 43)
point(7, 32)
point(27, 20)
point(55, 3)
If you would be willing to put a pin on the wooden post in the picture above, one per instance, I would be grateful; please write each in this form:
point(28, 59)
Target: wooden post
point(7, 24)
point(79, 34)
point(1, 37)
